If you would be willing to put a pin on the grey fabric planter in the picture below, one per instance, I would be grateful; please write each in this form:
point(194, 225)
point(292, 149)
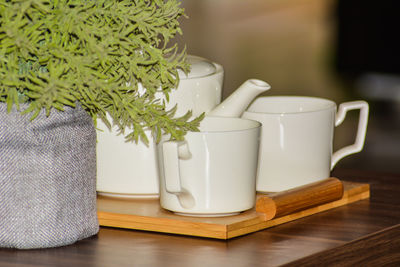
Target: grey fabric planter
point(47, 178)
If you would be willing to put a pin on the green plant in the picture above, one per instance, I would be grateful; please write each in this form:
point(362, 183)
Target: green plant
point(97, 53)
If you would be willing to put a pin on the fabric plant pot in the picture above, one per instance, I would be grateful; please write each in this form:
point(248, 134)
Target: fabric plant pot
point(47, 178)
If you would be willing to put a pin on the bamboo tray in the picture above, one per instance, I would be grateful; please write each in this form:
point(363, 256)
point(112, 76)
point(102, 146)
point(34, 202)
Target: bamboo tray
point(147, 215)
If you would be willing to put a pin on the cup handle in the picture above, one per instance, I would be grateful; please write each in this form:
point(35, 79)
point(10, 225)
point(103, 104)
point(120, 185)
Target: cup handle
point(361, 131)
point(174, 151)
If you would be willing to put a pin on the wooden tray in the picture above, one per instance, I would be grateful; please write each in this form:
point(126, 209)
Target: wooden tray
point(147, 215)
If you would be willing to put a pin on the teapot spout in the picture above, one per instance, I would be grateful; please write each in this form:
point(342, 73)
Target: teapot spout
point(235, 104)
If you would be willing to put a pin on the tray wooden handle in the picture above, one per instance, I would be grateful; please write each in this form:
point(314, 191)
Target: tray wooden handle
point(300, 198)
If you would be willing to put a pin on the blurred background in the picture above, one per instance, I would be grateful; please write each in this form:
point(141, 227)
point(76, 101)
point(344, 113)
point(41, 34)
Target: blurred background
point(342, 50)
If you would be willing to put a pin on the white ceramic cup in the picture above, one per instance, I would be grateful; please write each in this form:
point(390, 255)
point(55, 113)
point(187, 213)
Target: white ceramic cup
point(211, 172)
point(296, 139)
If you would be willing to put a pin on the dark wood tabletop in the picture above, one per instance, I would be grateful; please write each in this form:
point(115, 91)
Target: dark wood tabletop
point(364, 233)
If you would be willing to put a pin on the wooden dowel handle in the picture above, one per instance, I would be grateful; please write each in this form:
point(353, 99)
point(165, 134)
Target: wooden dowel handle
point(300, 198)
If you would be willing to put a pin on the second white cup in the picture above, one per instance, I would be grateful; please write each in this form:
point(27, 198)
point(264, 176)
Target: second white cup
point(297, 137)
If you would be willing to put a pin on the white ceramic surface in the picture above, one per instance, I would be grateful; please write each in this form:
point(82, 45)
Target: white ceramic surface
point(296, 139)
point(212, 172)
point(130, 170)
point(200, 91)
point(125, 169)
point(235, 104)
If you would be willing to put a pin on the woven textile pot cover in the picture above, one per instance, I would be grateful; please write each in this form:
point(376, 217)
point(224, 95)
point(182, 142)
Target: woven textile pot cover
point(47, 178)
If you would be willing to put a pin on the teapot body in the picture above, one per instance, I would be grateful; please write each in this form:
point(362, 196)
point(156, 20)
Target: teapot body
point(126, 169)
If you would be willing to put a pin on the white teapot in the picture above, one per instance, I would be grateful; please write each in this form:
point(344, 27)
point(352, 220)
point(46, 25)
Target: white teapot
point(129, 169)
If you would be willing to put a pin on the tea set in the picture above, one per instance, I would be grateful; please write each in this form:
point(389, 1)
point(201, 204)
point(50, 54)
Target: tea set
point(246, 144)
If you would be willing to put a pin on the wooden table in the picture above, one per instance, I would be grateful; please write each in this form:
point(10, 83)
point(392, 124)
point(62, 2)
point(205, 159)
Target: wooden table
point(365, 233)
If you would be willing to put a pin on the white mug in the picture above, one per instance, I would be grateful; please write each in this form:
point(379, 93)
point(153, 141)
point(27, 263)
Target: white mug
point(297, 139)
point(211, 172)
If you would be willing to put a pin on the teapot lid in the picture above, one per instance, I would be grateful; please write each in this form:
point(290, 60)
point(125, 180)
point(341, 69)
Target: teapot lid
point(200, 67)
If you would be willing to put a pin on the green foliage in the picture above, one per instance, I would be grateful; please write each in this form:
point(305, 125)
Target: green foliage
point(94, 52)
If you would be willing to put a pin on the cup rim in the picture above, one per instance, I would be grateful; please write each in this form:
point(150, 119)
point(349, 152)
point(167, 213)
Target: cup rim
point(329, 104)
point(253, 124)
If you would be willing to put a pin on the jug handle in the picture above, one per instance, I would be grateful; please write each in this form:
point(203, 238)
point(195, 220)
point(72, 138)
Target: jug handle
point(361, 130)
